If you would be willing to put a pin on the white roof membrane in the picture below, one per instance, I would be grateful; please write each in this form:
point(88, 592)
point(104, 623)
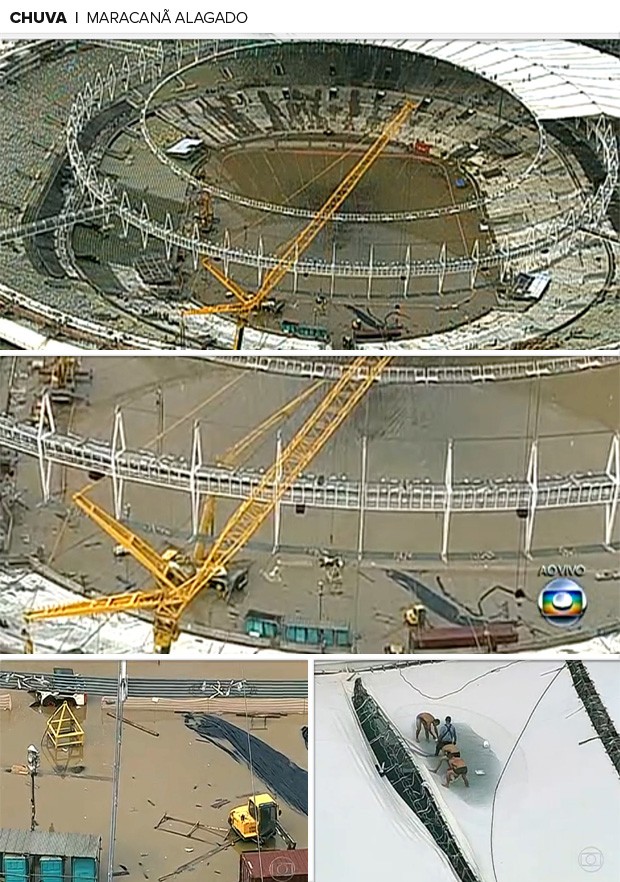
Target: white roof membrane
point(544, 798)
point(119, 633)
point(531, 813)
point(363, 830)
point(553, 78)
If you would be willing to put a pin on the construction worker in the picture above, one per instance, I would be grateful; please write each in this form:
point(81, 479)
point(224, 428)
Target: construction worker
point(429, 723)
point(456, 769)
point(447, 735)
point(450, 750)
point(28, 642)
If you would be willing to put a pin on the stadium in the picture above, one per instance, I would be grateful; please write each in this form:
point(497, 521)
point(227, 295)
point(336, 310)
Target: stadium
point(412, 194)
point(287, 513)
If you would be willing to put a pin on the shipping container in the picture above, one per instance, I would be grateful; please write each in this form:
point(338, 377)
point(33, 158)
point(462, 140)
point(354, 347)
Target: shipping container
point(274, 866)
point(15, 868)
point(84, 869)
point(51, 869)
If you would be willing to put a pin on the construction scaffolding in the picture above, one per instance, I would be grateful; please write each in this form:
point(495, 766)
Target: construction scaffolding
point(64, 734)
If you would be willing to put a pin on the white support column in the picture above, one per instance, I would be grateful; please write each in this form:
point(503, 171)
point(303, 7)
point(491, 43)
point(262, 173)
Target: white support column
point(442, 269)
point(45, 428)
point(107, 194)
point(504, 266)
point(447, 512)
point(195, 245)
point(259, 261)
point(119, 446)
point(371, 258)
point(88, 100)
point(532, 482)
point(142, 65)
point(295, 271)
point(178, 53)
point(227, 254)
point(408, 271)
point(612, 470)
point(277, 512)
point(92, 185)
point(111, 81)
point(98, 91)
point(363, 485)
point(332, 283)
point(475, 258)
point(168, 228)
point(145, 219)
point(161, 58)
point(125, 210)
point(125, 73)
point(196, 465)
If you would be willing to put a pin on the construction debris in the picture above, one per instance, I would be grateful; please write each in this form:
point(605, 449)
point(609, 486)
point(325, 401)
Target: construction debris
point(135, 725)
point(282, 776)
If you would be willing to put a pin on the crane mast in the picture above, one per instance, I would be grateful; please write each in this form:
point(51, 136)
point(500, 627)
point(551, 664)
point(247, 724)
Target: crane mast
point(239, 452)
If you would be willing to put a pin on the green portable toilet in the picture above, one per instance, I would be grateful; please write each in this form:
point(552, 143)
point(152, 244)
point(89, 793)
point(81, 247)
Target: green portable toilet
point(84, 869)
point(15, 867)
point(51, 869)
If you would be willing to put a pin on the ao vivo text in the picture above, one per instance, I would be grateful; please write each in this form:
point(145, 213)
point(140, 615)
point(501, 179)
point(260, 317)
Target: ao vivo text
point(568, 571)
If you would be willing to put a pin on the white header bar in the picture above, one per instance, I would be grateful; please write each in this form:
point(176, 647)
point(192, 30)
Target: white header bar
point(37, 19)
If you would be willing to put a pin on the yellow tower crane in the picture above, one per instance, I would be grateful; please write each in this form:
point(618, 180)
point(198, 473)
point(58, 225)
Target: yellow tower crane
point(176, 587)
point(248, 301)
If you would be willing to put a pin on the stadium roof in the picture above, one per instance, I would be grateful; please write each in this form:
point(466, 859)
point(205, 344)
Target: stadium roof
point(553, 78)
point(520, 798)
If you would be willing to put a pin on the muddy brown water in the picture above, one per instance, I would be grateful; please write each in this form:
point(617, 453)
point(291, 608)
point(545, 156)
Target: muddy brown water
point(173, 774)
point(409, 427)
point(397, 182)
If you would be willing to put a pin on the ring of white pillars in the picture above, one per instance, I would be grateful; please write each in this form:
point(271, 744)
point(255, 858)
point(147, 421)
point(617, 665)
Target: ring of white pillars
point(549, 241)
point(114, 459)
point(559, 237)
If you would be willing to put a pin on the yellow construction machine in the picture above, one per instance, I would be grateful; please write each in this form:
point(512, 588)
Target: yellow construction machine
point(257, 821)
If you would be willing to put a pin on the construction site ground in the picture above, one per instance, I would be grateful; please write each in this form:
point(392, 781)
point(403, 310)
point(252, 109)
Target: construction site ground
point(408, 429)
point(174, 773)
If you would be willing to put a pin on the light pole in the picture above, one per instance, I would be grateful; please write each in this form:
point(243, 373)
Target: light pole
point(320, 591)
point(34, 761)
point(121, 695)
point(159, 403)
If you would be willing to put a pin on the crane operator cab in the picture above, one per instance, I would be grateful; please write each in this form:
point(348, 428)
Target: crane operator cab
point(228, 582)
point(257, 820)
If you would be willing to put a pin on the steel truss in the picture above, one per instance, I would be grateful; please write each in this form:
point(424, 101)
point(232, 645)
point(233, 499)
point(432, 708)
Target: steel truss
point(428, 375)
point(530, 494)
